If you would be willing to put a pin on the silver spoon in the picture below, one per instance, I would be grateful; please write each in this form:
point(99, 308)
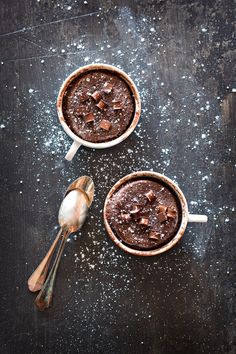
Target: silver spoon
point(37, 279)
point(72, 214)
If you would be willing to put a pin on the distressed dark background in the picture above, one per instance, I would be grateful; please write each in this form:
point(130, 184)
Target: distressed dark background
point(181, 54)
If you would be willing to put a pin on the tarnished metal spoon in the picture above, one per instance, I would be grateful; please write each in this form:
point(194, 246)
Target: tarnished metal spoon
point(37, 279)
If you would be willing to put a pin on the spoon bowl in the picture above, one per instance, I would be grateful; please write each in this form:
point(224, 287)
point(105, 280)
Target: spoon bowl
point(73, 210)
point(84, 184)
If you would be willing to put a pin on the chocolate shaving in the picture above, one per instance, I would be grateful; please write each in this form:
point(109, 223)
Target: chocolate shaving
point(105, 124)
point(143, 221)
point(89, 117)
point(96, 96)
point(150, 196)
point(162, 217)
point(171, 213)
point(117, 106)
point(161, 208)
point(135, 209)
point(101, 104)
point(107, 87)
point(154, 235)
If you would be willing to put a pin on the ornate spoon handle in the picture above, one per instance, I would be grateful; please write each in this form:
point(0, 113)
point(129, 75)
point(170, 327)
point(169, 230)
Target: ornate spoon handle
point(44, 298)
point(37, 279)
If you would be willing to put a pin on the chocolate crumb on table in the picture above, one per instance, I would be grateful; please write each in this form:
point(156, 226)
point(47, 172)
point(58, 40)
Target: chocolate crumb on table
point(98, 106)
point(144, 214)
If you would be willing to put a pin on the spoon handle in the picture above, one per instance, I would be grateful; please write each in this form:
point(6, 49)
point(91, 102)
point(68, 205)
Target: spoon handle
point(44, 298)
point(37, 279)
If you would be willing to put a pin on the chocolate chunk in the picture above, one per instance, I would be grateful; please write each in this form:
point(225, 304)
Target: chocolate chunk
point(101, 104)
point(150, 196)
point(161, 208)
point(154, 235)
point(143, 221)
point(117, 106)
point(96, 96)
point(126, 217)
point(135, 209)
point(105, 124)
point(171, 213)
point(162, 217)
point(89, 117)
point(107, 87)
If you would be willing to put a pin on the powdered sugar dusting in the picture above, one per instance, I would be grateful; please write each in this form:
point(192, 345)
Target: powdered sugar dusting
point(180, 133)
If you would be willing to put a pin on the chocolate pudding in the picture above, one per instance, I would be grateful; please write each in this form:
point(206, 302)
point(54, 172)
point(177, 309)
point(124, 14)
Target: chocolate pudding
point(98, 106)
point(144, 214)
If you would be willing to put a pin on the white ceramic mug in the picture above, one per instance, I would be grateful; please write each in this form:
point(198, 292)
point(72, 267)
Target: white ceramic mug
point(186, 217)
point(77, 141)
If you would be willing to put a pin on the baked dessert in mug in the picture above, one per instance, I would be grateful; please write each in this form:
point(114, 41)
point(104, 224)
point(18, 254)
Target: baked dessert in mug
point(98, 106)
point(145, 214)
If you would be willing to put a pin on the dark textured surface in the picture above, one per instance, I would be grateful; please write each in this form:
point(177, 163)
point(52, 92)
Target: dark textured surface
point(181, 54)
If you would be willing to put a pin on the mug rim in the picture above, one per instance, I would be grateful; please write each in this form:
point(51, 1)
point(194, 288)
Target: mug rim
point(137, 103)
point(184, 213)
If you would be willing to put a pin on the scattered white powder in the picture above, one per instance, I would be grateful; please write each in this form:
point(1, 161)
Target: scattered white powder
point(150, 147)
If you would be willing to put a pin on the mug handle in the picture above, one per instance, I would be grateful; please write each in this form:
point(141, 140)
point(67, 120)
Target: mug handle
point(72, 151)
point(197, 218)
